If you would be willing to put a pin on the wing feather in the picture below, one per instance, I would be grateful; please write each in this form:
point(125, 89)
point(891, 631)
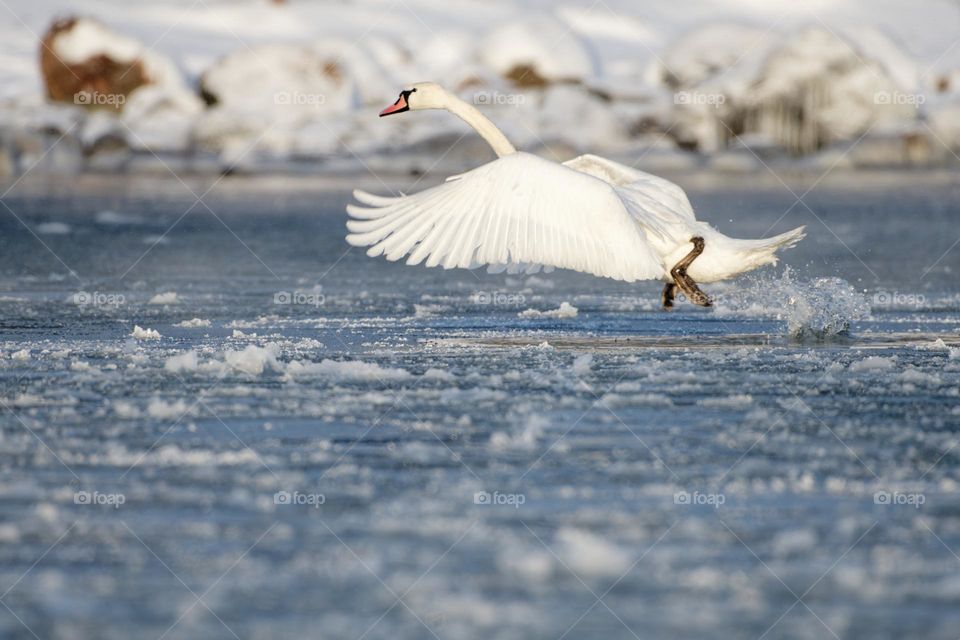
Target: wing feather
point(660, 206)
point(519, 211)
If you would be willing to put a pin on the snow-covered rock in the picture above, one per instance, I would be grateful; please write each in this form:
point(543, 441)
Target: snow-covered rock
point(536, 51)
point(263, 98)
point(85, 62)
point(305, 81)
point(805, 91)
point(161, 118)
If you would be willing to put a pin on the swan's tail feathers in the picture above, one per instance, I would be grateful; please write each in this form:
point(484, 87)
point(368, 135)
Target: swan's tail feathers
point(789, 239)
point(764, 251)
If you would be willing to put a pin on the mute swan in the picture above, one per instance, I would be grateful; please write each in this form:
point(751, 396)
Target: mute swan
point(520, 212)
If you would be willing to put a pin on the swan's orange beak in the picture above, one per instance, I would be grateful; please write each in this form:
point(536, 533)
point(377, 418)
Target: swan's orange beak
point(397, 107)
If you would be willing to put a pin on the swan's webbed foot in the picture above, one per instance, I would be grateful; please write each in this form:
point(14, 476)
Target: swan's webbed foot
point(667, 296)
point(684, 281)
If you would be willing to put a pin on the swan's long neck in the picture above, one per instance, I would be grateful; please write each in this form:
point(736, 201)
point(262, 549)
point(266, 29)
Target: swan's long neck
point(481, 124)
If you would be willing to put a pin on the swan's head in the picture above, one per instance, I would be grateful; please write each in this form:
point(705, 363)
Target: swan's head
point(422, 95)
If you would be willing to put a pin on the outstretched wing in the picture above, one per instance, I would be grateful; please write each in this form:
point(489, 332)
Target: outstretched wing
point(518, 209)
point(667, 195)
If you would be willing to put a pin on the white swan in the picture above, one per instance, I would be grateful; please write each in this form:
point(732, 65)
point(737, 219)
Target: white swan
point(520, 212)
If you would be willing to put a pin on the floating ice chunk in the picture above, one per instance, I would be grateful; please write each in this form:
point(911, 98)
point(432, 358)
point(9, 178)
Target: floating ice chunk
point(637, 400)
point(428, 310)
point(914, 376)
point(792, 542)
point(730, 402)
point(253, 359)
point(582, 363)
point(193, 323)
point(157, 408)
point(939, 345)
point(531, 565)
point(9, 534)
point(126, 409)
point(53, 228)
point(566, 310)
point(587, 554)
point(112, 217)
point(23, 354)
point(525, 440)
point(169, 297)
point(873, 363)
point(438, 374)
point(347, 370)
point(182, 362)
point(140, 333)
point(28, 400)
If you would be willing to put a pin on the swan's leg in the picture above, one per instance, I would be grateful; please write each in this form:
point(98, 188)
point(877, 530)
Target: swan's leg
point(684, 281)
point(667, 296)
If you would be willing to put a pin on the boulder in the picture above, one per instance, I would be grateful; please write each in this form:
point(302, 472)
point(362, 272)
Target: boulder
point(534, 53)
point(276, 78)
point(84, 62)
point(804, 91)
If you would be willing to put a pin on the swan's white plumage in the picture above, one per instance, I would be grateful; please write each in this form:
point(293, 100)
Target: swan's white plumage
point(518, 212)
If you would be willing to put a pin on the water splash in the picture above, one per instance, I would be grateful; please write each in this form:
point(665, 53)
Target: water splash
point(817, 309)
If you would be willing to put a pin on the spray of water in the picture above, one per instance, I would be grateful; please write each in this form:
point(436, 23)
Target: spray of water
point(817, 309)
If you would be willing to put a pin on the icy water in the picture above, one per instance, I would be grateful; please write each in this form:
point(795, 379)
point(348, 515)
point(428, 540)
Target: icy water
point(318, 444)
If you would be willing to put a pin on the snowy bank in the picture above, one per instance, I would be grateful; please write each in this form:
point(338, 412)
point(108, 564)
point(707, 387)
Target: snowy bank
point(253, 85)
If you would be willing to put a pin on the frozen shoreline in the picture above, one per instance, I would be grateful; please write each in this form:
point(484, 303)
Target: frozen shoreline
point(237, 84)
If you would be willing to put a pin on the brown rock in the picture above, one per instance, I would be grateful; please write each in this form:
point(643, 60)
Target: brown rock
point(525, 76)
point(98, 82)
